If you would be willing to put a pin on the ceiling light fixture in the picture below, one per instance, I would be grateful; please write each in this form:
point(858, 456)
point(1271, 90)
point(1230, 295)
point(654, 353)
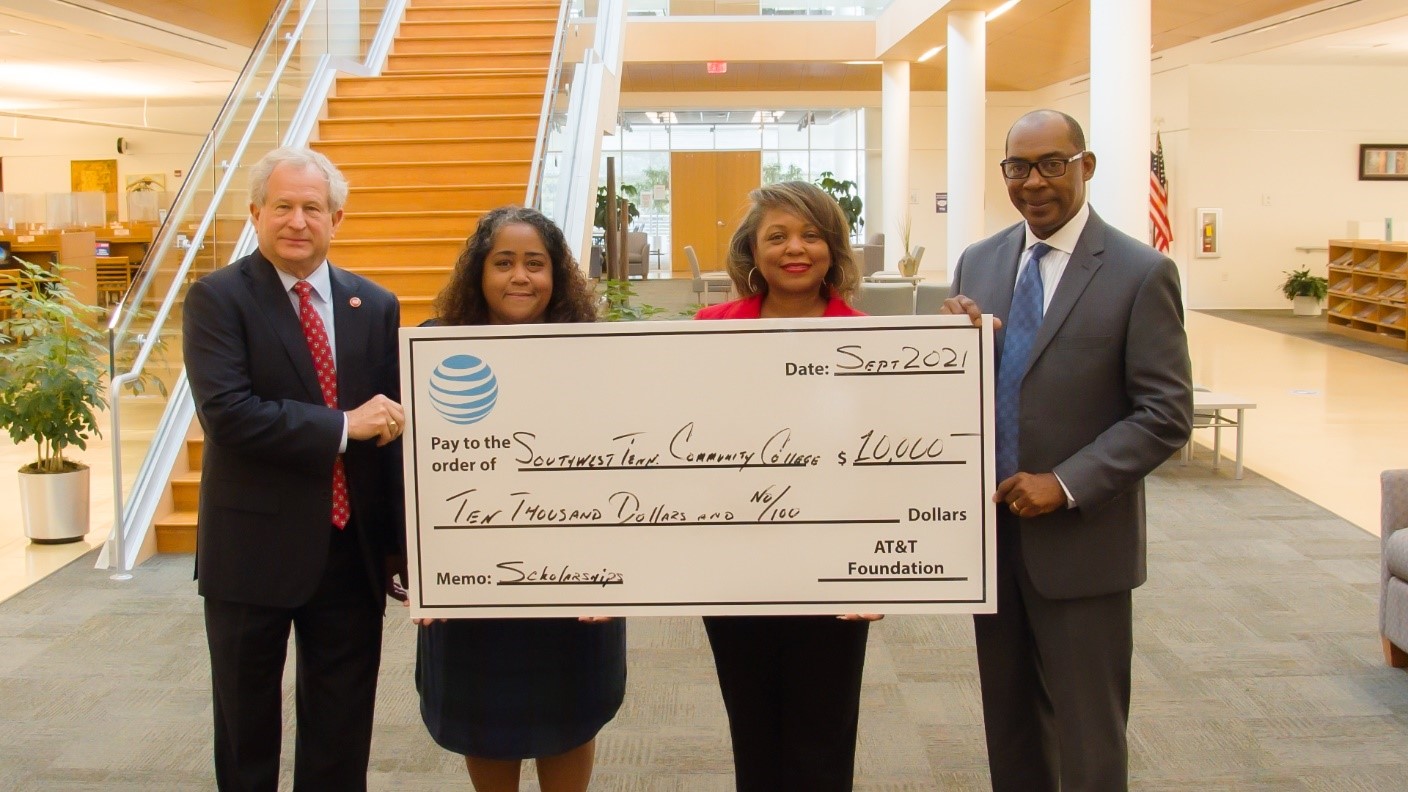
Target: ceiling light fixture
point(862, 63)
point(931, 53)
point(1000, 10)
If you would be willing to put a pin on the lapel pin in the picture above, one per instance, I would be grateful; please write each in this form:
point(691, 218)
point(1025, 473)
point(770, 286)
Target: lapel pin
point(355, 302)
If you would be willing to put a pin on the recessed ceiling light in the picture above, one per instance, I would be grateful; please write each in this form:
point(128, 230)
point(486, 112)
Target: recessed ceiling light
point(931, 53)
point(861, 63)
point(1000, 10)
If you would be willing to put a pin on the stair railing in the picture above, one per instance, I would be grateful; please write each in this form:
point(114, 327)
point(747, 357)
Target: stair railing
point(582, 107)
point(275, 101)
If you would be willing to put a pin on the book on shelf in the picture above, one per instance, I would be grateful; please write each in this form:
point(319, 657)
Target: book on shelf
point(1370, 261)
point(1343, 259)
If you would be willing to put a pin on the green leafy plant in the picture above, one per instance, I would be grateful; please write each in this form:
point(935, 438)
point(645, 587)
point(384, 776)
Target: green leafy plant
point(630, 193)
point(51, 369)
point(847, 194)
point(617, 307)
point(773, 172)
point(1300, 283)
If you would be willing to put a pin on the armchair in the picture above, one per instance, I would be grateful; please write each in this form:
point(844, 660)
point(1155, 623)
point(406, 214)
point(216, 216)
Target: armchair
point(637, 254)
point(1393, 597)
point(872, 255)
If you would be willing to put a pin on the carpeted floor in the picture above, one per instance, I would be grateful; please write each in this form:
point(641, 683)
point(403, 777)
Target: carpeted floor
point(1257, 667)
point(1312, 328)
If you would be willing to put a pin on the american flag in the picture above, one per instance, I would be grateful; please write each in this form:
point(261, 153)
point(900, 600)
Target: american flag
point(1160, 233)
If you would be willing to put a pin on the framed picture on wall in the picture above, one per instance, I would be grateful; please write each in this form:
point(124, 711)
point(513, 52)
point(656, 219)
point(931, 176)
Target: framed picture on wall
point(1383, 162)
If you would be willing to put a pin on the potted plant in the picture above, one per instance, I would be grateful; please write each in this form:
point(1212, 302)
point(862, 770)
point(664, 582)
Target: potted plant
point(51, 384)
point(847, 194)
point(1305, 291)
point(909, 256)
point(628, 195)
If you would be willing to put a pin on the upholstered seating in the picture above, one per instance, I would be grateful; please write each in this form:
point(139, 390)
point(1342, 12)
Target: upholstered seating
point(1393, 598)
point(637, 254)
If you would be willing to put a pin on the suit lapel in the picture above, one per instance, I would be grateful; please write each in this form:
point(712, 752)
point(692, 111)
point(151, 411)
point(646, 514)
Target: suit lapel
point(1085, 262)
point(351, 325)
point(270, 297)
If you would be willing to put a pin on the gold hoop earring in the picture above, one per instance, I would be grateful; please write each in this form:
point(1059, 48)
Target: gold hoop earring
point(751, 273)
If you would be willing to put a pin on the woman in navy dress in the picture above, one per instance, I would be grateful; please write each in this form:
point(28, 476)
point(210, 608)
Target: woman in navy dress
point(500, 691)
point(791, 684)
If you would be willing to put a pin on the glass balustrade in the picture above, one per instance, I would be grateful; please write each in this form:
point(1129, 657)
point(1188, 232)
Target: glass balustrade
point(204, 223)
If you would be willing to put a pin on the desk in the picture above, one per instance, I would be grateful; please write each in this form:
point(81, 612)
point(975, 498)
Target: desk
point(1208, 407)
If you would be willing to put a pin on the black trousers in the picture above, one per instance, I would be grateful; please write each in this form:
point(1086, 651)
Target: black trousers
point(791, 685)
point(337, 635)
point(1055, 680)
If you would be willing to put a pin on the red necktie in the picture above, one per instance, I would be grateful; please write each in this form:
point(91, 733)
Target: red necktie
point(317, 337)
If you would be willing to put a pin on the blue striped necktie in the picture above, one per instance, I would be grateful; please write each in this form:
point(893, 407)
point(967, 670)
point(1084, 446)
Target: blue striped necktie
point(1023, 321)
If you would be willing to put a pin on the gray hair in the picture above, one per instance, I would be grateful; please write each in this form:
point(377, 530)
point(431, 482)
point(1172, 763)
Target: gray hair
point(299, 158)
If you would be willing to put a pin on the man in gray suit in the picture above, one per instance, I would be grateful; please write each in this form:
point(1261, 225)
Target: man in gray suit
point(1094, 392)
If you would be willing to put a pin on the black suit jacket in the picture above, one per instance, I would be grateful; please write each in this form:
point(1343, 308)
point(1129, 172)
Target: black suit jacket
point(270, 443)
point(1106, 398)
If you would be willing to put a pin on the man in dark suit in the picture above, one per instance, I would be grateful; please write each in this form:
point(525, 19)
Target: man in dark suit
point(1094, 391)
point(293, 366)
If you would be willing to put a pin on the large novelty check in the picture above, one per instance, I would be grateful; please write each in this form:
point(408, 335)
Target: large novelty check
point(817, 466)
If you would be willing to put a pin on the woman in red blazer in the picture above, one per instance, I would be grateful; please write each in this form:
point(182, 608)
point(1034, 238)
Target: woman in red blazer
point(791, 684)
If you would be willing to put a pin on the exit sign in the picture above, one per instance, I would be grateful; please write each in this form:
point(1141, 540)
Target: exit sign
point(716, 67)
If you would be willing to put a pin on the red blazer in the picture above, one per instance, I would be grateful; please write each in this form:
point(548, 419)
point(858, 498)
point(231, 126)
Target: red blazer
point(751, 308)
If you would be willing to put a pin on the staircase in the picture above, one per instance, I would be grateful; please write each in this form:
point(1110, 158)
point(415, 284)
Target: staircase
point(445, 134)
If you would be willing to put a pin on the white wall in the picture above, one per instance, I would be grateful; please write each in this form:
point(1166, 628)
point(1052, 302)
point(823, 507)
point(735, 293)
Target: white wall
point(1276, 148)
point(39, 161)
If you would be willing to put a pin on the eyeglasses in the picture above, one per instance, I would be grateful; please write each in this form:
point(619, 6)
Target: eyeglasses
point(1050, 168)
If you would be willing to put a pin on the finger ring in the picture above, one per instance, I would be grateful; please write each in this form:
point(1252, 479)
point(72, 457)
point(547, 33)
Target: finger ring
point(393, 426)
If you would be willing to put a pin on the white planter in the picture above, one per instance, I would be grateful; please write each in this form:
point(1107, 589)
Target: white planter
point(1305, 306)
point(55, 506)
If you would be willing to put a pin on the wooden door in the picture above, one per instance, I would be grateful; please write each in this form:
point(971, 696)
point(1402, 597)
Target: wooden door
point(708, 197)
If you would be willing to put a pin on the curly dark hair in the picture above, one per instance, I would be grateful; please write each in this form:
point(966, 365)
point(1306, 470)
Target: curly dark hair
point(813, 205)
point(462, 302)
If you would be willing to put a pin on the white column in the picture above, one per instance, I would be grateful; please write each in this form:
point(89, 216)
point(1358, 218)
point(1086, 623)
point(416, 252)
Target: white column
point(894, 104)
point(1119, 113)
point(967, 130)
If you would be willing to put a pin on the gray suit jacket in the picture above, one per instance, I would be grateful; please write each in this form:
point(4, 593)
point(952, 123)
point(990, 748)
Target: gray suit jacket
point(1107, 397)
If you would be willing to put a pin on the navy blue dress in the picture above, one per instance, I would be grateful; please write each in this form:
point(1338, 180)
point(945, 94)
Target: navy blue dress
point(519, 688)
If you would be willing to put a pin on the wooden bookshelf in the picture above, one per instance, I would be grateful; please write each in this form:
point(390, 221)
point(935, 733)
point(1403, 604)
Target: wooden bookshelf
point(1369, 291)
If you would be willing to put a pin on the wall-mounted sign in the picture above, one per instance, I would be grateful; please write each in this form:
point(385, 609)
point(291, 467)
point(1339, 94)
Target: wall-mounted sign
point(716, 67)
point(941, 203)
